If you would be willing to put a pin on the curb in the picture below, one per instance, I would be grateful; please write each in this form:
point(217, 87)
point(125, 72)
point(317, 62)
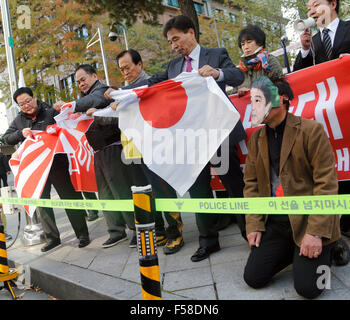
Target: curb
point(69, 282)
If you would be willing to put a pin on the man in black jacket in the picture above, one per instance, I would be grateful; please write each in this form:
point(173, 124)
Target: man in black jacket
point(113, 177)
point(332, 41)
point(4, 169)
point(36, 115)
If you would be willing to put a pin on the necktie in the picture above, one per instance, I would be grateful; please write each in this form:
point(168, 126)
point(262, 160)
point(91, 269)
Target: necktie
point(188, 64)
point(327, 42)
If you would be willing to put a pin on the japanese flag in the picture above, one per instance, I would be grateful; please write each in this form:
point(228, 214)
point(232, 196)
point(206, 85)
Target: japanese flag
point(177, 125)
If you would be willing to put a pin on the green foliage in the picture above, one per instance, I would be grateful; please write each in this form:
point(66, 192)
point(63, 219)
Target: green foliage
point(345, 10)
point(54, 45)
point(5, 90)
point(153, 47)
point(127, 11)
point(50, 46)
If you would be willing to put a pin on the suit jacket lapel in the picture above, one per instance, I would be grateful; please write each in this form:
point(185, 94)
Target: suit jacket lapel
point(264, 150)
point(318, 44)
point(289, 136)
point(339, 36)
point(203, 58)
point(178, 67)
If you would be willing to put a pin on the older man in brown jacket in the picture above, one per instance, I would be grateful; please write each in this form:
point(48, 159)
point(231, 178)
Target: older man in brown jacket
point(291, 155)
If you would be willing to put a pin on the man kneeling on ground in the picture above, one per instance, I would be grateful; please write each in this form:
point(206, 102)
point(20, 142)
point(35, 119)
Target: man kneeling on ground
point(289, 156)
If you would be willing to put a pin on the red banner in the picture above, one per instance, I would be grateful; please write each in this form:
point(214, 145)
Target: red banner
point(322, 93)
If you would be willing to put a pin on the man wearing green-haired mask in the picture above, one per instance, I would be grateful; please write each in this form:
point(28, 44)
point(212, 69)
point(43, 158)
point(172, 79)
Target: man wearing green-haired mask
point(289, 156)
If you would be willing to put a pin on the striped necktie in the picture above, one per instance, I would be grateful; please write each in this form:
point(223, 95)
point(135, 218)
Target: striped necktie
point(327, 42)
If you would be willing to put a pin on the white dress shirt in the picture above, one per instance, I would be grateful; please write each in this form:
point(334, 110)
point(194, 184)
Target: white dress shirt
point(332, 27)
point(194, 55)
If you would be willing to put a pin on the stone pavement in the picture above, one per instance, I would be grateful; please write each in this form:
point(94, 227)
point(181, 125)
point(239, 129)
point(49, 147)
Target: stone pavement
point(68, 272)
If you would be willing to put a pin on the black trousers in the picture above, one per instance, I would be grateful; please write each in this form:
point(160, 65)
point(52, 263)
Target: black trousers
point(233, 182)
point(3, 178)
point(59, 177)
point(277, 250)
point(90, 196)
point(114, 181)
point(344, 188)
point(163, 190)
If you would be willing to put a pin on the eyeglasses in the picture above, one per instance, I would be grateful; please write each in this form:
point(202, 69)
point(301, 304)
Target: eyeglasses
point(29, 100)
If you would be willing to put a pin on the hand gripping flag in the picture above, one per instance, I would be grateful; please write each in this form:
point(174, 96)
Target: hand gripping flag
point(31, 163)
point(177, 125)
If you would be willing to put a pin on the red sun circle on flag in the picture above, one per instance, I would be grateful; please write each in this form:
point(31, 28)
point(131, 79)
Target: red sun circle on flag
point(163, 104)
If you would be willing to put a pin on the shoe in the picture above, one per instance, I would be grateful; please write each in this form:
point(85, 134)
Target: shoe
point(133, 242)
point(203, 253)
point(173, 245)
point(83, 242)
point(113, 241)
point(8, 236)
point(92, 217)
point(340, 253)
point(52, 243)
point(161, 240)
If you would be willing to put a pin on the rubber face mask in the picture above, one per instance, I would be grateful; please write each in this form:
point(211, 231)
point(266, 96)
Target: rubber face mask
point(264, 97)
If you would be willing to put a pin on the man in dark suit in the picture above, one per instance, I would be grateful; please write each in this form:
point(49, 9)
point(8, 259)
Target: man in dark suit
point(332, 41)
point(214, 63)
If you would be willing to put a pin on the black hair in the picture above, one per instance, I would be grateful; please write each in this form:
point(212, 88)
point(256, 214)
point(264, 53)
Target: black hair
point(22, 90)
point(252, 32)
point(135, 56)
point(87, 68)
point(337, 6)
point(182, 23)
point(283, 89)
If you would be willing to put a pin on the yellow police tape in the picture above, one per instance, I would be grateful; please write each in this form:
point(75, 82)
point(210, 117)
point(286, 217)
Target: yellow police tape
point(324, 204)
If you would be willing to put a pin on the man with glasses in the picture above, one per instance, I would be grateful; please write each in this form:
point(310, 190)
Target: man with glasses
point(37, 115)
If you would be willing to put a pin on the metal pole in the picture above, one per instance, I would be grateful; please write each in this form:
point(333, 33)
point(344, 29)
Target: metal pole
point(125, 37)
point(216, 28)
point(9, 46)
point(103, 56)
point(144, 208)
point(217, 33)
point(126, 43)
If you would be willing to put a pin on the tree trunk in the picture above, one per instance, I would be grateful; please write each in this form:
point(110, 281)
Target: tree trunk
point(187, 9)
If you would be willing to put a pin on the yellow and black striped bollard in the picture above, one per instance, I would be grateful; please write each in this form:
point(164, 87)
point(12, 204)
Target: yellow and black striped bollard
point(144, 208)
point(6, 274)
